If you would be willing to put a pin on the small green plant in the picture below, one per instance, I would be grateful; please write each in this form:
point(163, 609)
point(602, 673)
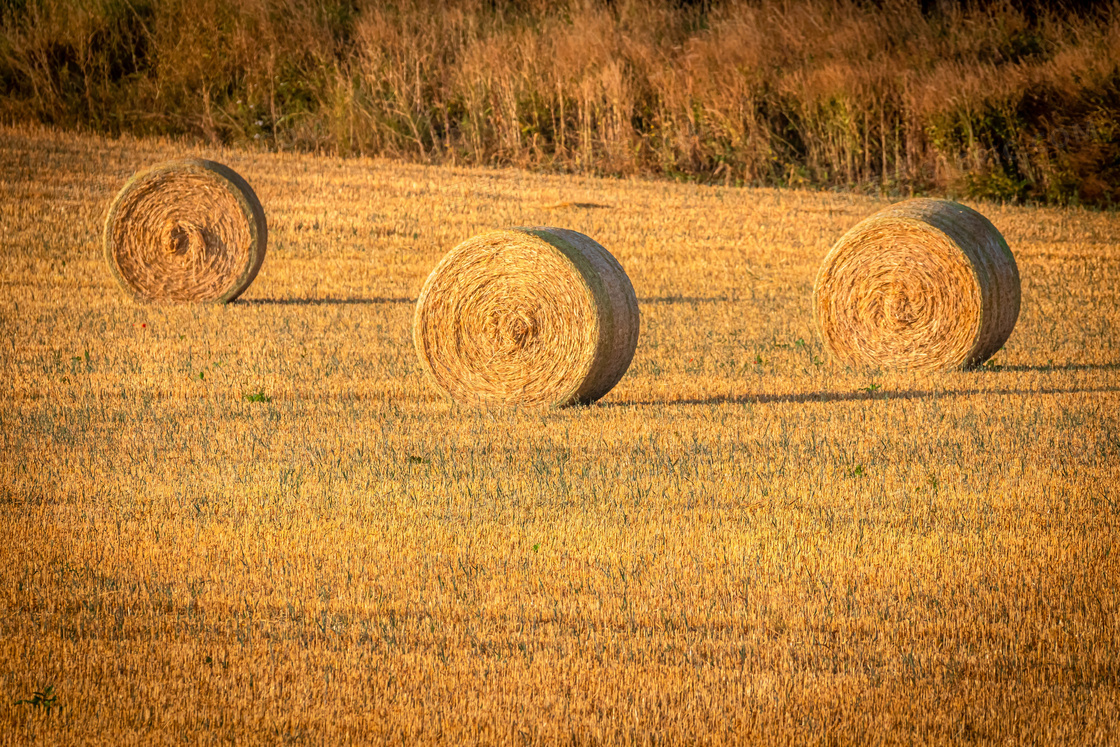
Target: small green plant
point(537, 547)
point(46, 699)
point(872, 388)
point(76, 362)
point(258, 396)
point(857, 471)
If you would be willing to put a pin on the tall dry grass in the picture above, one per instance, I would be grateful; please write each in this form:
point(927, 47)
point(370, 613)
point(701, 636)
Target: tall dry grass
point(1008, 100)
point(258, 523)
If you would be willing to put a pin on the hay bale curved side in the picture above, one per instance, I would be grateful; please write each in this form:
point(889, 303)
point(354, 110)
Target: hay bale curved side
point(924, 284)
point(526, 316)
point(185, 230)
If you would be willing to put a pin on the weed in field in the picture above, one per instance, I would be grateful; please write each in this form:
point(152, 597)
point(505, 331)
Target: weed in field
point(46, 699)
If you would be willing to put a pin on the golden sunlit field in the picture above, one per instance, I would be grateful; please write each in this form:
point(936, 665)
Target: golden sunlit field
point(259, 523)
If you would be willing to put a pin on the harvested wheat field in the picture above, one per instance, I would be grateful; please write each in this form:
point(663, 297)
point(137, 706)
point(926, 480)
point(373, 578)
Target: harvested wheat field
point(260, 522)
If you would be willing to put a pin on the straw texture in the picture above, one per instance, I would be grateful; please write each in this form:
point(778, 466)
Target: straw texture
point(924, 284)
point(527, 316)
point(187, 230)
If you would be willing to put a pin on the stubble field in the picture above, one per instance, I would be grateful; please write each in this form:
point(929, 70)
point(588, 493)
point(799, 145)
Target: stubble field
point(258, 523)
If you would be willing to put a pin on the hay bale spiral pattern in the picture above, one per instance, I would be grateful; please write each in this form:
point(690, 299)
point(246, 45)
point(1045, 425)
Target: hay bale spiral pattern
point(527, 316)
point(924, 284)
point(185, 230)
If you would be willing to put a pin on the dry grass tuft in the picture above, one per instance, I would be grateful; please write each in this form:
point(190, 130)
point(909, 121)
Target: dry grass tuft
point(924, 284)
point(186, 230)
point(527, 316)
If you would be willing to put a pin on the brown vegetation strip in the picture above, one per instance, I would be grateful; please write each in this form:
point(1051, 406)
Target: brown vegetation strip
point(1008, 101)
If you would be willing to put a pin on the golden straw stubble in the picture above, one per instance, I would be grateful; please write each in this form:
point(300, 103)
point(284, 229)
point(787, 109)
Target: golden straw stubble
point(923, 284)
point(526, 316)
point(186, 230)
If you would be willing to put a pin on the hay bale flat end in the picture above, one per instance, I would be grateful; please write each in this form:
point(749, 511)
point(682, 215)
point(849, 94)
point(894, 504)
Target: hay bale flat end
point(526, 316)
point(185, 230)
point(924, 284)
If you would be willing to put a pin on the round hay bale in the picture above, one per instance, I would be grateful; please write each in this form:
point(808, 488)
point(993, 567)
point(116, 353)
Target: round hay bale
point(526, 316)
point(186, 230)
point(924, 284)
